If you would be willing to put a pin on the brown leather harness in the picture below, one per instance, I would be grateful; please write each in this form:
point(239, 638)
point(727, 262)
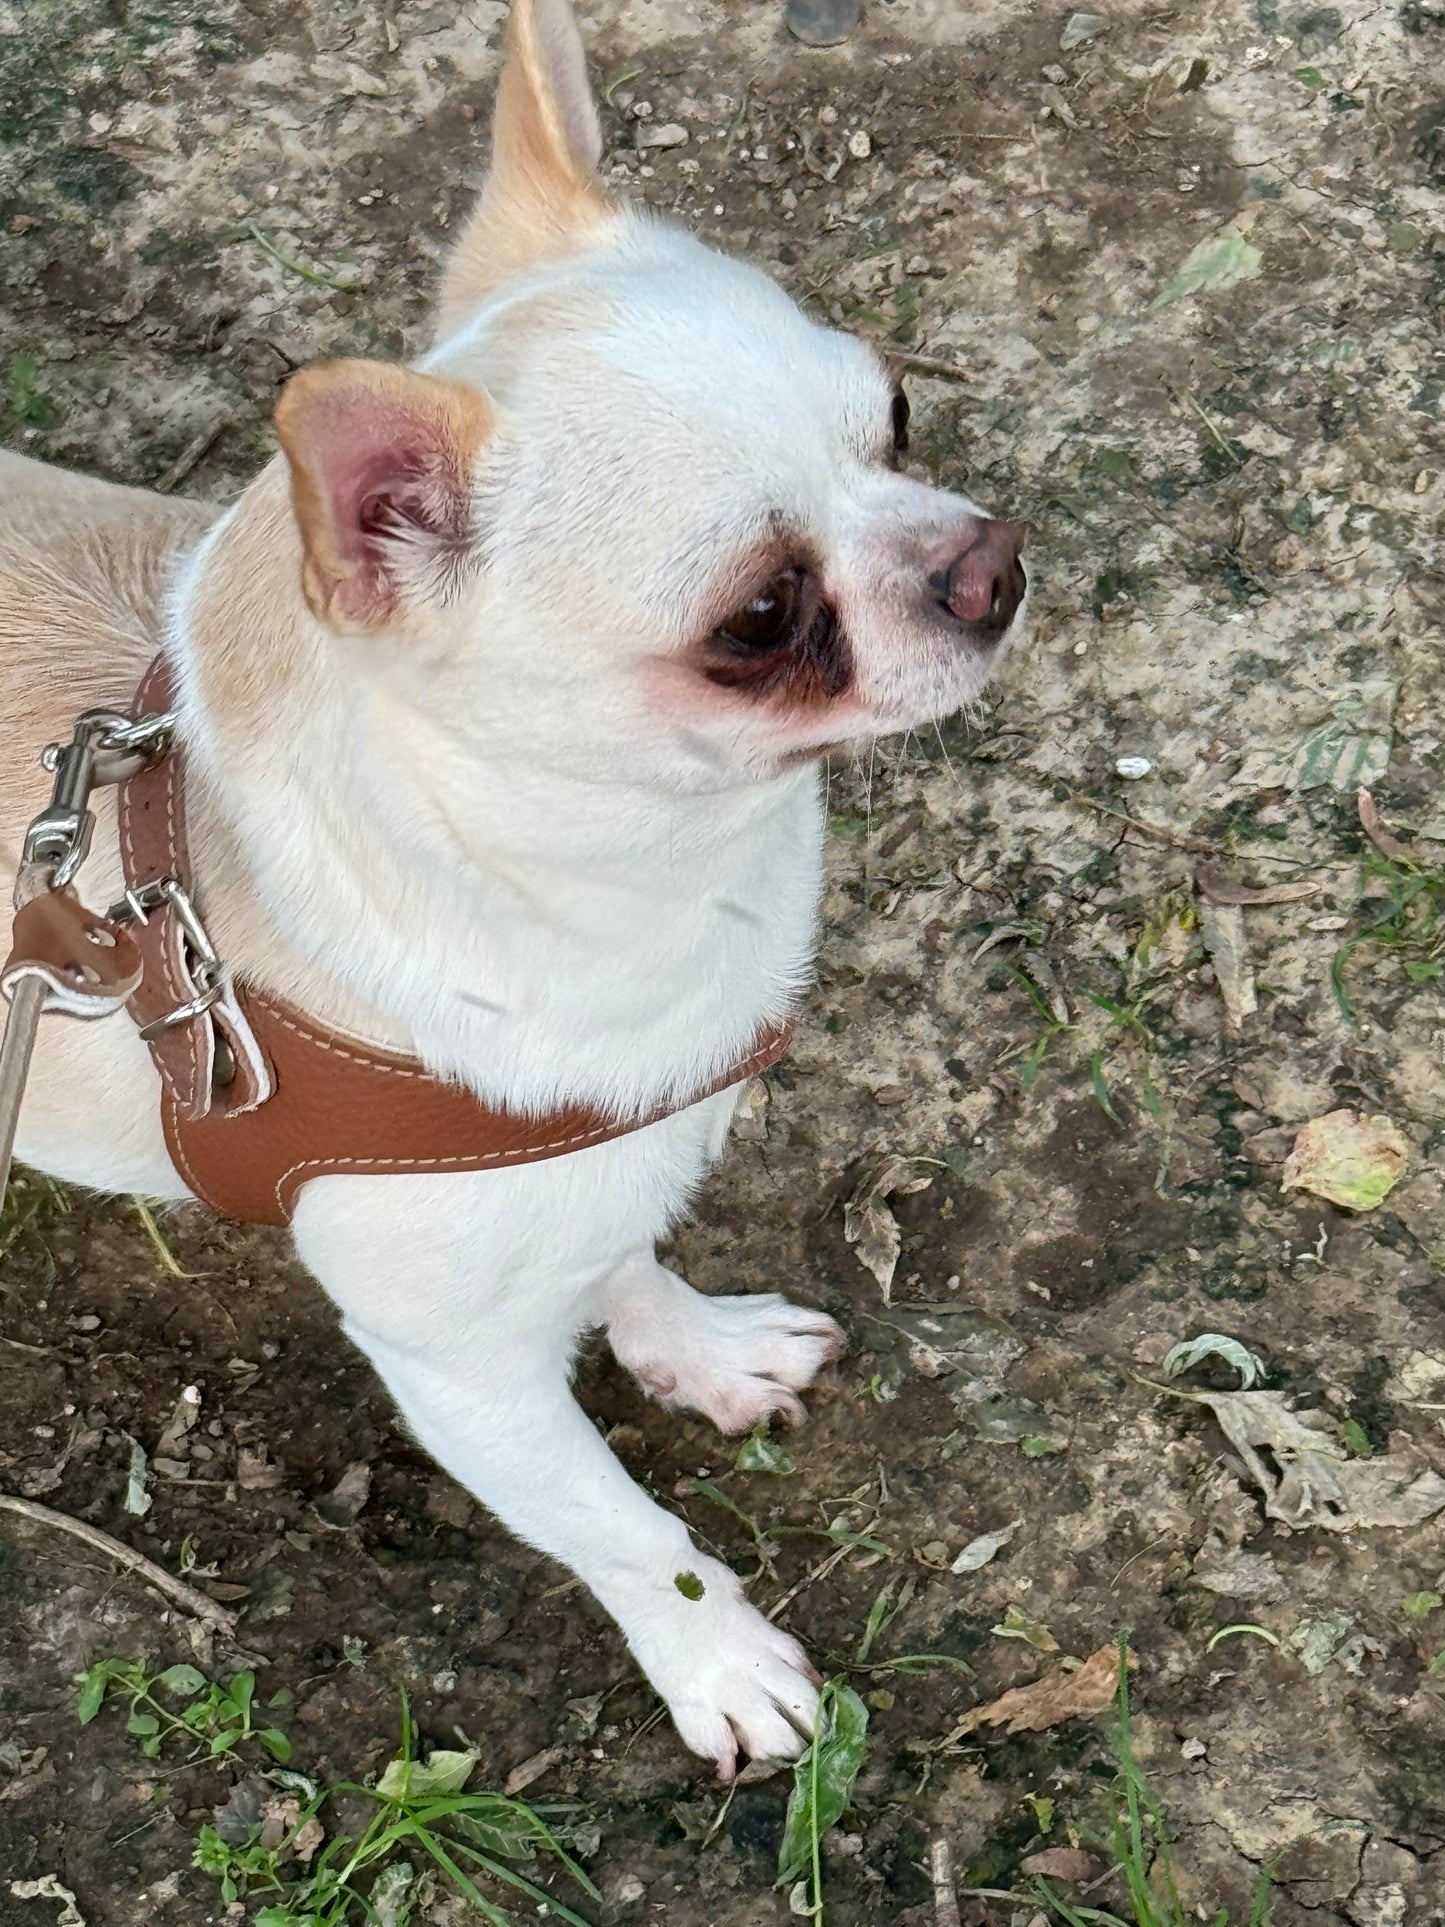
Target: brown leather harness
point(257, 1098)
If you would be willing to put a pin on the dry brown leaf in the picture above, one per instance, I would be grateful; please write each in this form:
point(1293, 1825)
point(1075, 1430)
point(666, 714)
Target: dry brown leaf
point(1060, 1695)
point(1373, 825)
point(521, 1777)
point(1305, 1475)
point(1222, 928)
point(341, 1505)
point(1219, 889)
point(870, 1226)
point(1351, 1161)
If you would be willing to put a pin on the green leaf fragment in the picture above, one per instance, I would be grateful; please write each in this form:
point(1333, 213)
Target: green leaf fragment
point(763, 1453)
point(182, 1679)
point(1351, 1161)
point(1233, 1632)
point(1191, 1352)
point(1018, 1625)
point(1419, 1605)
point(445, 1772)
point(1219, 262)
point(689, 1585)
point(823, 1781)
point(92, 1693)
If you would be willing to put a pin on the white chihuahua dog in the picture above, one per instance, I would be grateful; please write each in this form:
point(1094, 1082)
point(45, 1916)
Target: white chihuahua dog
point(503, 691)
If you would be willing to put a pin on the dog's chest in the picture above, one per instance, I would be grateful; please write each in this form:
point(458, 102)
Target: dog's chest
point(637, 983)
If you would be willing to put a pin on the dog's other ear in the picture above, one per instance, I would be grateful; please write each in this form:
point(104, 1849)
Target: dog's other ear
point(542, 198)
point(381, 462)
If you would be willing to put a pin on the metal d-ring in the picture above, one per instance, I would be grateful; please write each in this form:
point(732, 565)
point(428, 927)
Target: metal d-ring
point(135, 906)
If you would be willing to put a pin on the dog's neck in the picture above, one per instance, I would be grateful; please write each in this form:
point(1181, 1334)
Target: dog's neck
point(539, 933)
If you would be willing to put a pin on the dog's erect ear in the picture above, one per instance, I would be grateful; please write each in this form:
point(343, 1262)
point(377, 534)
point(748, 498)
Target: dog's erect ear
point(542, 198)
point(381, 480)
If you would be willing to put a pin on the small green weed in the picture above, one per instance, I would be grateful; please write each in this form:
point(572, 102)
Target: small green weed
point(27, 404)
point(1127, 1026)
point(1410, 923)
point(822, 1787)
point(218, 1716)
point(420, 1808)
point(32, 1203)
point(1141, 1847)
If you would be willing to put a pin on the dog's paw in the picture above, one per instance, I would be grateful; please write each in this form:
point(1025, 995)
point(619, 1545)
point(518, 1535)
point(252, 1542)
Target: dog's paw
point(736, 1360)
point(736, 1686)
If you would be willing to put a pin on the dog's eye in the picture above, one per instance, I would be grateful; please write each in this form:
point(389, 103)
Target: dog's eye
point(901, 412)
point(766, 621)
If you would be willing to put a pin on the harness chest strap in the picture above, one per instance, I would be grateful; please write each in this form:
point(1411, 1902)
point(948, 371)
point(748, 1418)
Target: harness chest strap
point(257, 1098)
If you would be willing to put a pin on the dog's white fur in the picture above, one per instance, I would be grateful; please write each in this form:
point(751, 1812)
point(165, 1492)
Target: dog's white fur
point(512, 830)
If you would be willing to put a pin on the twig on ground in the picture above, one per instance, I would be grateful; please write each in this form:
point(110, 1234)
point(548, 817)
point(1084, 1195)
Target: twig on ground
point(820, 1571)
point(930, 365)
point(940, 1869)
point(176, 1590)
point(192, 453)
point(40, 1351)
point(1152, 830)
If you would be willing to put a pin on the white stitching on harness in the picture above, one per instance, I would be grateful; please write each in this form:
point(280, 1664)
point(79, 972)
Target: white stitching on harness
point(494, 1161)
point(340, 1050)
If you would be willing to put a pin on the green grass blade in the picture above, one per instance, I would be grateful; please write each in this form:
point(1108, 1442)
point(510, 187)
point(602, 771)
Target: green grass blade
point(430, 1844)
point(1101, 1089)
point(500, 1871)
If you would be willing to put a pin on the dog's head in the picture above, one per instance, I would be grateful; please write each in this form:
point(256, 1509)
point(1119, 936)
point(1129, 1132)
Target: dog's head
point(634, 503)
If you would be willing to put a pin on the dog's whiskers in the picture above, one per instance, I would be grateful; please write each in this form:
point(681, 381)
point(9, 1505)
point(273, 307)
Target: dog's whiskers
point(943, 751)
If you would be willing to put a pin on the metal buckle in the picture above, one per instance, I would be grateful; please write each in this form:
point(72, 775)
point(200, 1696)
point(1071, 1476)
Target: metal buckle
point(105, 748)
point(207, 969)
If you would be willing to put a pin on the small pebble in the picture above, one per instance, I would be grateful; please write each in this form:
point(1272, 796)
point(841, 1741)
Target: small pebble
point(823, 23)
point(670, 134)
point(1131, 768)
point(1080, 28)
point(1081, 648)
point(860, 145)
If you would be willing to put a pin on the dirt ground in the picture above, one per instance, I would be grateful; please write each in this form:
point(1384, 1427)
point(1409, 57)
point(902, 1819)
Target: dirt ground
point(1234, 493)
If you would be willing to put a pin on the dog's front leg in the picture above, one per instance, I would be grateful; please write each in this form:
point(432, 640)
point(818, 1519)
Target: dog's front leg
point(737, 1360)
point(479, 1368)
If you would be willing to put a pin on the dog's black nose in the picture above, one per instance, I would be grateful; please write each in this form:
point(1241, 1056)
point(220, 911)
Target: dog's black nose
point(984, 583)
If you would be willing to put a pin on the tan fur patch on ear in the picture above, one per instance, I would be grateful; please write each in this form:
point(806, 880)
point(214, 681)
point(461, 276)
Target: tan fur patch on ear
point(380, 456)
point(542, 199)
